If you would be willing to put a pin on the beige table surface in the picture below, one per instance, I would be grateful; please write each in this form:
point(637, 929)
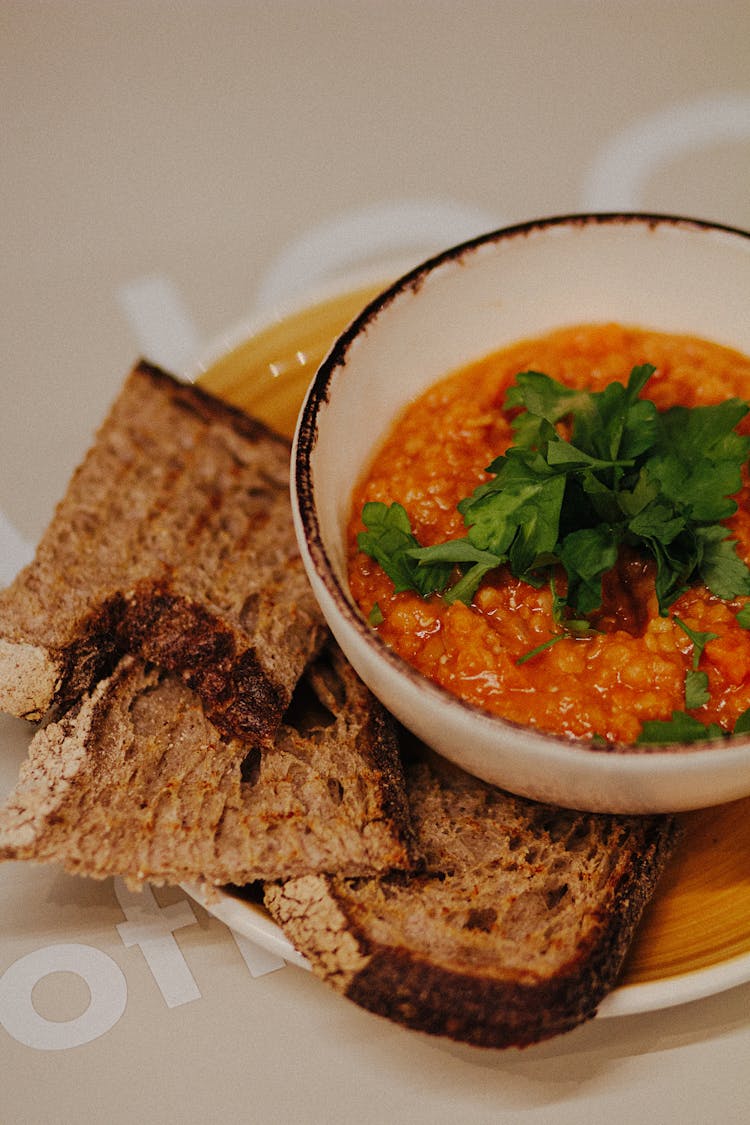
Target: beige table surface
point(157, 161)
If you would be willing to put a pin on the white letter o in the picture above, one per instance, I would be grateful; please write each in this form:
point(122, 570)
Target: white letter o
point(105, 981)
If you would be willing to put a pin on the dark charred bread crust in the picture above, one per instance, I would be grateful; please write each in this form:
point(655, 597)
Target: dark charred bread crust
point(185, 638)
point(93, 655)
point(136, 781)
point(514, 929)
point(195, 400)
point(504, 1013)
point(173, 540)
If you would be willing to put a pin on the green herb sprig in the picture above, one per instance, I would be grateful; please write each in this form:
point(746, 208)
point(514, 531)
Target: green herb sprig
point(686, 728)
point(628, 475)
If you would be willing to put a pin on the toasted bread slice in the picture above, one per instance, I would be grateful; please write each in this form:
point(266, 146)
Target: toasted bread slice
point(514, 931)
point(136, 781)
point(174, 540)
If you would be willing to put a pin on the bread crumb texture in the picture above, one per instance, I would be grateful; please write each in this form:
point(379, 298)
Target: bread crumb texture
point(29, 678)
point(174, 540)
point(137, 782)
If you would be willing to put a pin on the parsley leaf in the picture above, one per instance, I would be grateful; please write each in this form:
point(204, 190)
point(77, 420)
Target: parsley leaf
point(697, 459)
point(376, 616)
point(458, 552)
point(680, 728)
point(696, 683)
point(700, 640)
point(388, 540)
point(586, 555)
point(617, 424)
point(516, 516)
point(719, 566)
point(553, 640)
point(684, 728)
point(696, 689)
point(742, 726)
point(542, 400)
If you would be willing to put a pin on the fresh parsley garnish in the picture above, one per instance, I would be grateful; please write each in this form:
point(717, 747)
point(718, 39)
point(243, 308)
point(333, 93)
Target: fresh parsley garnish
point(376, 616)
point(589, 472)
point(684, 728)
point(553, 640)
point(389, 541)
point(696, 683)
point(680, 728)
point(742, 725)
point(696, 689)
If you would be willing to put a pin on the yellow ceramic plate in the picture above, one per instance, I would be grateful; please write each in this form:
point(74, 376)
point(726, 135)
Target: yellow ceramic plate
point(695, 937)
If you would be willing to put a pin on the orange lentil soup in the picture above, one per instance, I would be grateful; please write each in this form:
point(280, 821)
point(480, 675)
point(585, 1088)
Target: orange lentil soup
point(604, 684)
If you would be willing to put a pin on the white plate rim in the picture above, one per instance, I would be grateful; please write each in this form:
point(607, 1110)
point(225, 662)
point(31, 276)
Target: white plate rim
point(253, 922)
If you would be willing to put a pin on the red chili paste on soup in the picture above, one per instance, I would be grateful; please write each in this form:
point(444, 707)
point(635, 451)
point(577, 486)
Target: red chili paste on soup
point(632, 666)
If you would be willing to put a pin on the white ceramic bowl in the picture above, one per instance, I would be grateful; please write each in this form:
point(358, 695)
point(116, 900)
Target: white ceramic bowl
point(665, 273)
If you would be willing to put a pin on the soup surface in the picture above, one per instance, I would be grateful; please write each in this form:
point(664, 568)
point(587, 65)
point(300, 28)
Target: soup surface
point(631, 667)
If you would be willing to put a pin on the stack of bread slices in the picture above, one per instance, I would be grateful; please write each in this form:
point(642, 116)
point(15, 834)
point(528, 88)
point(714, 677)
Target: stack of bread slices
point(197, 723)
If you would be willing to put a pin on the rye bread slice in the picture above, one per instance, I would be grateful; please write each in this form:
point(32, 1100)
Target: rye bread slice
point(136, 781)
point(513, 932)
point(174, 540)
